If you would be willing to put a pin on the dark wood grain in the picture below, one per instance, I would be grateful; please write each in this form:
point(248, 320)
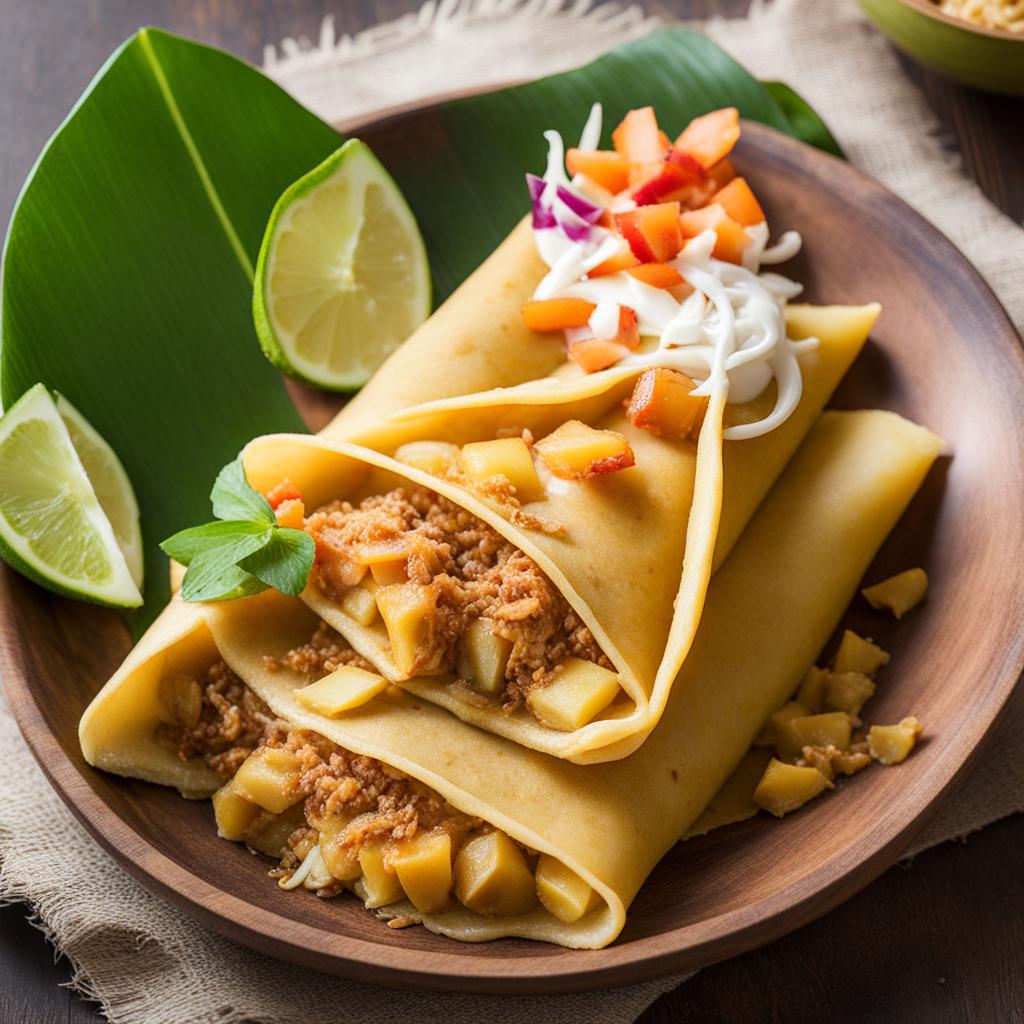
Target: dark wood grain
point(47, 54)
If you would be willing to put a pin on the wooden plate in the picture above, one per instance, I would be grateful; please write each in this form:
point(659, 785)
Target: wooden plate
point(944, 354)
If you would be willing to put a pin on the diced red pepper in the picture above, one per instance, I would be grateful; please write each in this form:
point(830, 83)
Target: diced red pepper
point(653, 232)
point(605, 168)
point(710, 138)
point(740, 203)
point(731, 238)
point(556, 314)
point(284, 491)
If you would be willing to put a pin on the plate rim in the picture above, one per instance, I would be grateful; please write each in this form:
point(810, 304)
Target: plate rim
point(653, 956)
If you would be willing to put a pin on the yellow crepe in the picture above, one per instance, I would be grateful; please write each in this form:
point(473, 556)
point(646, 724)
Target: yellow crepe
point(638, 546)
point(770, 610)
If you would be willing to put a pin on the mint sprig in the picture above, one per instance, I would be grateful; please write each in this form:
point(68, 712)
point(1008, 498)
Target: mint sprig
point(244, 551)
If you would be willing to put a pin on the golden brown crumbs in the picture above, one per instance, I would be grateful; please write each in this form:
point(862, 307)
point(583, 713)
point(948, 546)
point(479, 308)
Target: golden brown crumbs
point(324, 652)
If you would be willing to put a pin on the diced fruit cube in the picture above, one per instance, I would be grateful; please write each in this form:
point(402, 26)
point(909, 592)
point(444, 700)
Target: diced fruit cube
point(483, 656)
point(341, 861)
point(856, 654)
point(898, 593)
point(271, 836)
point(579, 692)
point(627, 329)
point(424, 868)
point(182, 699)
point(407, 610)
point(638, 137)
point(721, 174)
point(284, 491)
point(233, 813)
point(433, 457)
point(622, 260)
point(562, 892)
point(653, 232)
point(291, 513)
point(891, 744)
point(387, 561)
point(740, 203)
point(575, 451)
point(711, 137)
point(269, 776)
point(787, 744)
point(493, 878)
point(811, 692)
point(848, 691)
point(785, 787)
point(380, 884)
point(508, 457)
point(662, 403)
point(343, 689)
point(678, 178)
point(556, 314)
point(657, 275)
point(730, 238)
point(595, 354)
point(608, 169)
point(829, 729)
point(360, 603)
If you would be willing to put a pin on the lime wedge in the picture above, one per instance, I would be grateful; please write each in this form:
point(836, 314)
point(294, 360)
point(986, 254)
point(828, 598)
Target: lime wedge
point(111, 484)
point(52, 528)
point(342, 278)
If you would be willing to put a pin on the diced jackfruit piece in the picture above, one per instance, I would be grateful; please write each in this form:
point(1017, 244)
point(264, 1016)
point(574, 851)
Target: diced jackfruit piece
point(424, 868)
point(577, 452)
point(829, 729)
point(509, 457)
point(269, 777)
point(483, 657)
point(341, 861)
point(847, 691)
point(433, 457)
point(388, 562)
point(898, 593)
point(579, 692)
point(785, 787)
point(270, 834)
point(343, 689)
point(562, 892)
point(360, 603)
point(856, 654)
point(890, 744)
point(407, 610)
point(811, 692)
point(233, 813)
point(493, 878)
point(380, 885)
point(785, 741)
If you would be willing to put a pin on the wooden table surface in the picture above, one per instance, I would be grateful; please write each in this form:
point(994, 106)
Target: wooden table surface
point(940, 940)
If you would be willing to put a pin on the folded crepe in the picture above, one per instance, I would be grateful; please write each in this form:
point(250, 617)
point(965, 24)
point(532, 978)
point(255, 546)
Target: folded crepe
point(770, 609)
point(616, 566)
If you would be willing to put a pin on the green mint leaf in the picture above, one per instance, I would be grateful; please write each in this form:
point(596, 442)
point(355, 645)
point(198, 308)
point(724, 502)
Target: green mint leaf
point(284, 562)
point(234, 498)
point(211, 577)
point(187, 544)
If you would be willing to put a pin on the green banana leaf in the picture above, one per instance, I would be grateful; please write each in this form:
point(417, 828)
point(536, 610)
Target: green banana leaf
point(127, 275)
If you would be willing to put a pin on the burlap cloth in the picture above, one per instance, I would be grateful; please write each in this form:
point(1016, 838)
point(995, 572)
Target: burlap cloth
point(144, 961)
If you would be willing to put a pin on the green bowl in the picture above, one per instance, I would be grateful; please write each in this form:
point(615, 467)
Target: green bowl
point(986, 58)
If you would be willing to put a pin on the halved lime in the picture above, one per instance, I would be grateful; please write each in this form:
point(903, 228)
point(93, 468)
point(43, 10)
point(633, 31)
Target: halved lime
point(342, 278)
point(111, 484)
point(52, 528)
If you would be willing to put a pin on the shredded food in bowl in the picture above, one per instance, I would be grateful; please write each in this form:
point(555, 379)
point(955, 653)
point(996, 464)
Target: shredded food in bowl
point(1003, 14)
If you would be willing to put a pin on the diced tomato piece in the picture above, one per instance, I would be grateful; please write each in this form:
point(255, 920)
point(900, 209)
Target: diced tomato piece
point(731, 237)
point(740, 203)
point(662, 403)
point(721, 174)
point(595, 354)
point(710, 138)
point(657, 275)
point(638, 137)
point(556, 314)
point(653, 232)
point(622, 260)
point(284, 491)
point(605, 168)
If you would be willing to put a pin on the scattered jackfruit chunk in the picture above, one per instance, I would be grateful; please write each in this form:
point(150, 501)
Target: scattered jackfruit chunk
point(270, 834)
point(233, 813)
point(360, 603)
point(890, 744)
point(785, 741)
point(437, 458)
point(269, 777)
point(785, 787)
point(493, 878)
point(508, 457)
point(580, 691)
point(341, 690)
point(407, 610)
point(483, 657)
point(388, 561)
point(898, 593)
point(829, 729)
point(856, 654)
point(340, 860)
point(576, 451)
point(380, 885)
point(424, 868)
point(847, 691)
point(562, 892)
point(811, 692)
